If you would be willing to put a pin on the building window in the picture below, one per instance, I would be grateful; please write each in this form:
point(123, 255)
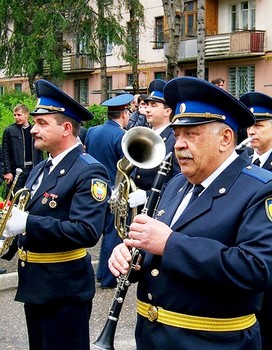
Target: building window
point(241, 80)
point(193, 73)
point(2, 90)
point(159, 75)
point(159, 35)
point(243, 16)
point(189, 19)
point(82, 91)
point(130, 79)
point(18, 87)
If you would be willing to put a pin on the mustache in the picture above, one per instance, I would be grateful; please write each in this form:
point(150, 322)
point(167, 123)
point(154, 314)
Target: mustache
point(180, 154)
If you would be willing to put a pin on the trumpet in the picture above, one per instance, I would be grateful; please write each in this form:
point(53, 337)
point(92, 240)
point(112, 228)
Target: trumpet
point(20, 198)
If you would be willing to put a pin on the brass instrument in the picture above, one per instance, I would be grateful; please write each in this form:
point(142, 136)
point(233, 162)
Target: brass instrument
point(20, 198)
point(145, 149)
point(106, 339)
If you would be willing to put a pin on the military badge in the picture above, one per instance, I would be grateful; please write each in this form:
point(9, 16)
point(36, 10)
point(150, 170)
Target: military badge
point(268, 208)
point(98, 189)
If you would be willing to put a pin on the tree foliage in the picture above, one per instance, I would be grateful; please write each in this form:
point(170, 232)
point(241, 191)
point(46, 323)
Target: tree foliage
point(34, 31)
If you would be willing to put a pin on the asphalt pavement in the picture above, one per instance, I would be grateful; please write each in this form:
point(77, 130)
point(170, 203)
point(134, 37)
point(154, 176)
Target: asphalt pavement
point(13, 334)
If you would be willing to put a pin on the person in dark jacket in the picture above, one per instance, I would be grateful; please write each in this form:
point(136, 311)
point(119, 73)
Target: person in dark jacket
point(138, 117)
point(261, 142)
point(103, 142)
point(18, 148)
point(64, 216)
point(206, 256)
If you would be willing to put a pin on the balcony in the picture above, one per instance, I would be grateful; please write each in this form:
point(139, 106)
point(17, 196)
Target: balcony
point(74, 64)
point(229, 45)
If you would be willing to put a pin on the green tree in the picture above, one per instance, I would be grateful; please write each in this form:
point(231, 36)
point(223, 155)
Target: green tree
point(33, 31)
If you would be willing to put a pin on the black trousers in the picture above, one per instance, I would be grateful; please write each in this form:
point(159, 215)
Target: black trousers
point(63, 325)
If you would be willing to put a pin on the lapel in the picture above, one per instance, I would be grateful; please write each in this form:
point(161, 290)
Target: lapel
point(35, 174)
point(173, 203)
point(60, 170)
point(165, 133)
point(218, 188)
point(268, 164)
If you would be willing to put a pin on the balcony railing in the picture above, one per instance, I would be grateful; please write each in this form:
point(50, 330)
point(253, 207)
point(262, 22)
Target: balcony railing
point(234, 44)
point(74, 64)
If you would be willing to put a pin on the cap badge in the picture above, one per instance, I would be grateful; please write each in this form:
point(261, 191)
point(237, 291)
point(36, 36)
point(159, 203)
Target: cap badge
point(182, 108)
point(152, 93)
point(252, 110)
point(268, 208)
point(99, 189)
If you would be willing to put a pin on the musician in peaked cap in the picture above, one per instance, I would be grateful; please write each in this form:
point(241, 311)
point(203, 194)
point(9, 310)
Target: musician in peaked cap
point(207, 254)
point(159, 116)
point(63, 217)
point(104, 143)
point(261, 133)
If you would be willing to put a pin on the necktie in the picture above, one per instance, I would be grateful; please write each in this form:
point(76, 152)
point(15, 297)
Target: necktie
point(196, 191)
point(257, 162)
point(46, 169)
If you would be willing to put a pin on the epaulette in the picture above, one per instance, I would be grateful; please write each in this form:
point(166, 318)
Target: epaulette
point(86, 157)
point(258, 173)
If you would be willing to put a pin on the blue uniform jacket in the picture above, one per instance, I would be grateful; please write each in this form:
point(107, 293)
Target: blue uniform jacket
point(217, 262)
point(265, 316)
point(103, 142)
point(144, 178)
point(76, 221)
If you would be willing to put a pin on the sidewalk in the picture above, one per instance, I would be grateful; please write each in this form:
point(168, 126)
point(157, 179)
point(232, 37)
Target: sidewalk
point(13, 335)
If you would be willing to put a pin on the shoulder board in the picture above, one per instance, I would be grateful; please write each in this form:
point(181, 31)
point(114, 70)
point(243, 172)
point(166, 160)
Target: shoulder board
point(258, 173)
point(86, 157)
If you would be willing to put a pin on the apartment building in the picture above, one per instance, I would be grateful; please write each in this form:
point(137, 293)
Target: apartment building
point(238, 48)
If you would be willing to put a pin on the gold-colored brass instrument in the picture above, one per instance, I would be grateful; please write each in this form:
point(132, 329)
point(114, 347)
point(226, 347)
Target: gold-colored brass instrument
point(145, 149)
point(155, 153)
point(20, 198)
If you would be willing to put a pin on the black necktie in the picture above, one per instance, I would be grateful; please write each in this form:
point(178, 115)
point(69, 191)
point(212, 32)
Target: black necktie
point(46, 169)
point(257, 162)
point(196, 191)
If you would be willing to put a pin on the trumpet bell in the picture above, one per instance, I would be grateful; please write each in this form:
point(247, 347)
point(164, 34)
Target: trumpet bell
point(143, 147)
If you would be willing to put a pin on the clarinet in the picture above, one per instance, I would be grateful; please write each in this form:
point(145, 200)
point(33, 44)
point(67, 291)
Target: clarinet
point(106, 339)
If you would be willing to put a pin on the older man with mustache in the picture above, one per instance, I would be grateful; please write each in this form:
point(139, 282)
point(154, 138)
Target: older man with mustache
point(205, 263)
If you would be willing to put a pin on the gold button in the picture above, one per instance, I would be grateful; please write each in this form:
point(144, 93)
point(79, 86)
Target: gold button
point(138, 176)
point(155, 272)
point(22, 263)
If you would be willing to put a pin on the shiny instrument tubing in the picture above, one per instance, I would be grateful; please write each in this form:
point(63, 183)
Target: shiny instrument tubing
point(20, 199)
point(142, 148)
point(106, 339)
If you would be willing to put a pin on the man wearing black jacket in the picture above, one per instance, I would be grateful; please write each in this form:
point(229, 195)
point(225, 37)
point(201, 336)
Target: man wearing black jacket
point(18, 148)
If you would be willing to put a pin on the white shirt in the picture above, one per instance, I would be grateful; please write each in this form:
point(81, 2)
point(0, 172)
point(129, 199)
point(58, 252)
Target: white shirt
point(263, 157)
point(206, 183)
point(55, 162)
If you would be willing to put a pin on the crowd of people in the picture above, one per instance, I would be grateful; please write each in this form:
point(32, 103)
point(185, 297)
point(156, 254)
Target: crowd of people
point(204, 273)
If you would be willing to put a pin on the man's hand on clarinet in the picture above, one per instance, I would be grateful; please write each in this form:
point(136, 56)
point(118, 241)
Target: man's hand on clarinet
point(118, 262)
point(148, 234)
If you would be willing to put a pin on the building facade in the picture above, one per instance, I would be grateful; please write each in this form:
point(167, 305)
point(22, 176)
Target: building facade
point(238, 48)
